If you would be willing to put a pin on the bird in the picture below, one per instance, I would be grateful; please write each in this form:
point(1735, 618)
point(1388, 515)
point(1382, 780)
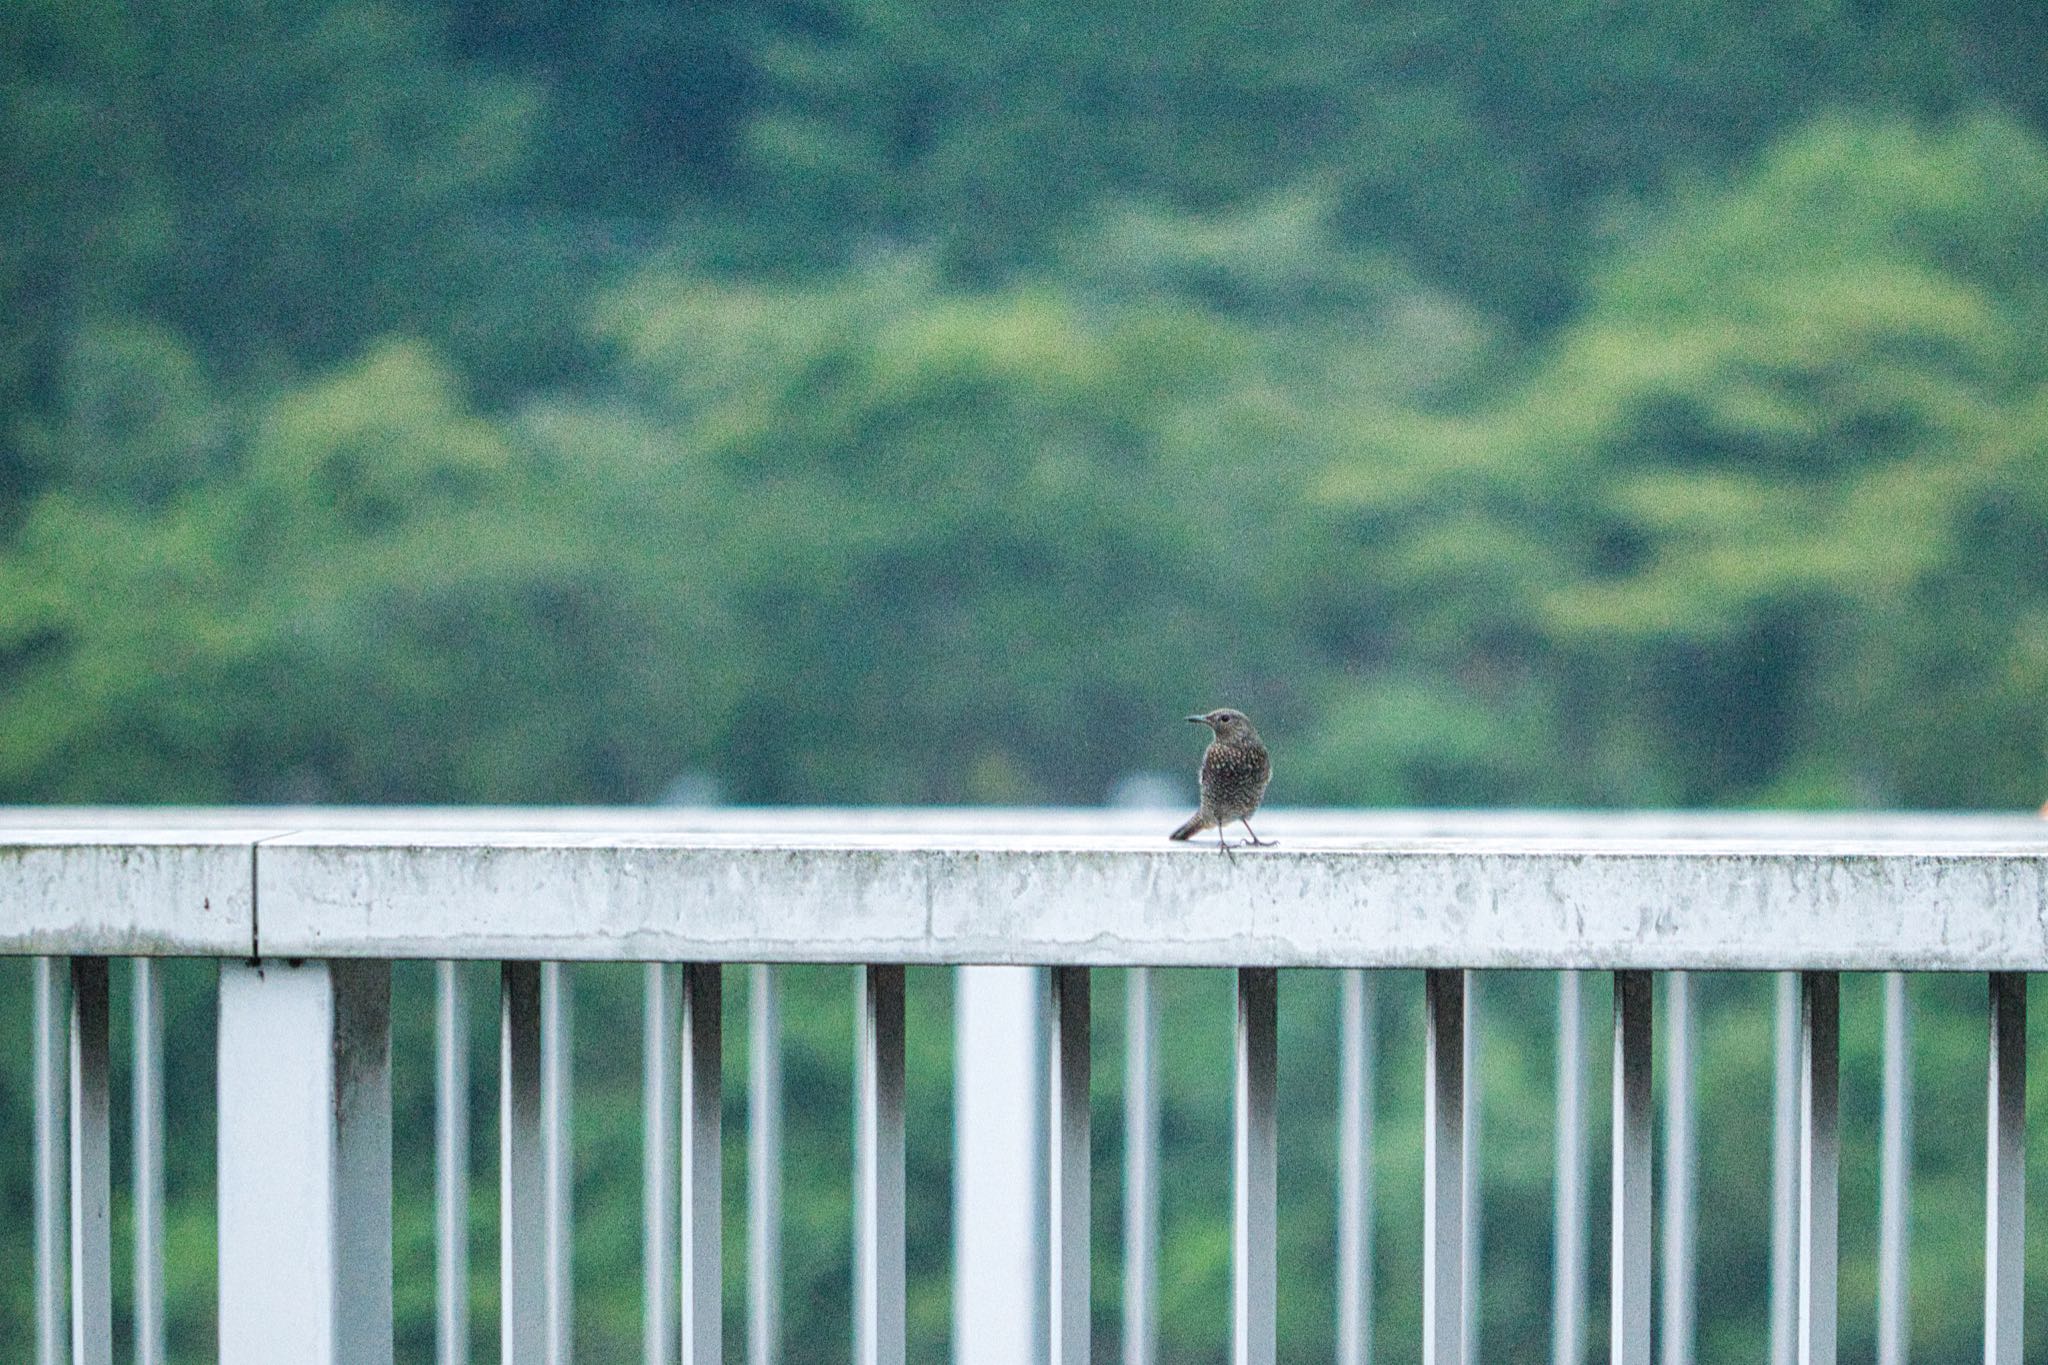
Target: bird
point(1235, 770)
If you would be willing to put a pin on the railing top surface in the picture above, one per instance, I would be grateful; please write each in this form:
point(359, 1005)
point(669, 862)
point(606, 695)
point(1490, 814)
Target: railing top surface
point(1364, 888)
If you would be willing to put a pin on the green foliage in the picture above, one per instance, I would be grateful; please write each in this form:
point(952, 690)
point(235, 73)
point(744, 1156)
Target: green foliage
point(1775, 499)
point(977, 526)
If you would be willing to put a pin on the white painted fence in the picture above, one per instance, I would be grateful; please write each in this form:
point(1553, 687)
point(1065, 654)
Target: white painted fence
point(306, 909)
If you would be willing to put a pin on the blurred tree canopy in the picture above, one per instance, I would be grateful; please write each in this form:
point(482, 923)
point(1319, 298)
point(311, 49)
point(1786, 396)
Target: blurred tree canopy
point(861, 401)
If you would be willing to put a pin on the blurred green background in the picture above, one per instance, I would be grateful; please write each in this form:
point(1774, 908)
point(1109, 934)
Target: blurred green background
point(873, 401)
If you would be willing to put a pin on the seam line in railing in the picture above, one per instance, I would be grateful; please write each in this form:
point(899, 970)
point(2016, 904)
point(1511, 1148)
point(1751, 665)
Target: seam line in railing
point(255, 891)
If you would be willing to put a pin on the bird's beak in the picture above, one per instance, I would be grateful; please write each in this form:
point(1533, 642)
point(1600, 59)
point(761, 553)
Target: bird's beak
point(1199, 720)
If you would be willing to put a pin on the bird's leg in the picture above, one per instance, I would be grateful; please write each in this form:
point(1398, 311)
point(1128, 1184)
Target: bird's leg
point(1257, 842)
point(1224, 843)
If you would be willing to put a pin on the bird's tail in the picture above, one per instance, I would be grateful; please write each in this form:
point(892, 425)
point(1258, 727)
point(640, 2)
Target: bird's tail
point(1195, 825)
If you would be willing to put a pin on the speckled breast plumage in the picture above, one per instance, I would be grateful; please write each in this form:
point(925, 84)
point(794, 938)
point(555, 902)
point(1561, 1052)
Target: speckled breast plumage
point(1234, 778)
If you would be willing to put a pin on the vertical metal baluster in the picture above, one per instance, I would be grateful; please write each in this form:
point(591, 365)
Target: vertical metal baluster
point(999, 1177)
point(1443, 1170)
point(1141, 1169)
point(92, 1286)
point(557, 1121)
point(1634, 1122)
point(2005, 1183)
point(1067, 1069)
point(305, 1163)
point(1681, 1158)
point(1475, 1210)
point(147, 1123)
point(1785, 1172)
point(658, 1116)
point(764, 1168)
point(1819, 1164)
point(1895, 1159)
point(1356, 1035)
point(703, 1167)
point(1568, 1231)
point(451, 1165)
point(522, 1170)
point(1255, 1188)
point(52, 982)
point(878, 1173)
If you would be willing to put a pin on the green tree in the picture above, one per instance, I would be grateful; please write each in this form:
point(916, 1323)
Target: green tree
point(987, 543)
point(1773, 508)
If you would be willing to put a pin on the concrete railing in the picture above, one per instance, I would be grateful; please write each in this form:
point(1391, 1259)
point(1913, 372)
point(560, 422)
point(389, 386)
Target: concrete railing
point(307, 909)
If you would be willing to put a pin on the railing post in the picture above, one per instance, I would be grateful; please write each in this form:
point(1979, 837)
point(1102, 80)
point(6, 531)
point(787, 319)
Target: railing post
point(1141, 1169)
point(1256, 1187)
point(147, 1127)
point(1067, 1163)
point(703, 1090)
point(1784, 1299)
point(1443, 1170)
point(305, 1163)
point(1681, 1157)
point(92, 1284)
point(52, 982)
point(764, 1167)
point(659, 1114)
point(451, 1165)
point(2005, 1182)
point(878, 1170)
point(1475, 1208)
point(1356, 1038)
point(999, 1177)
point(1634, 1121)
point(522, 1170)
point(1895, 1160)
point(1819, 1164)
point(1568, 1231)
point(557, 1110)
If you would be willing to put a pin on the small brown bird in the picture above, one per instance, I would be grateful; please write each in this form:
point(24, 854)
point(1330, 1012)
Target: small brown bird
point(1235, 770)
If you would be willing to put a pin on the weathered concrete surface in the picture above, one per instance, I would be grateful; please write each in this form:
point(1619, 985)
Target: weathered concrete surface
point(1778, 897)
point(127, 890)
point(1506, 889)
